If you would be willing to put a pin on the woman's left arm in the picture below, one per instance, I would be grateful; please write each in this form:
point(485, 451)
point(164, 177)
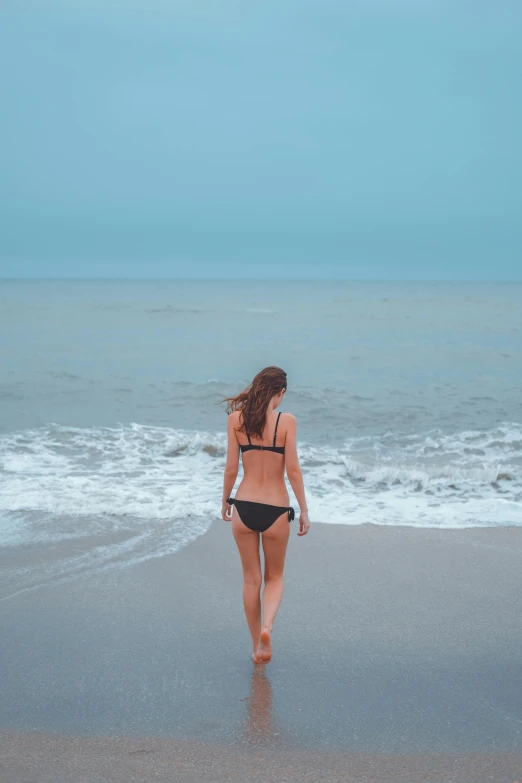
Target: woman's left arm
point(231, 467)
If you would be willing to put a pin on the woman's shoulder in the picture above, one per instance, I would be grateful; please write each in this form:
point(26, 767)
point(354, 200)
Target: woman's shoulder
point(287, 417)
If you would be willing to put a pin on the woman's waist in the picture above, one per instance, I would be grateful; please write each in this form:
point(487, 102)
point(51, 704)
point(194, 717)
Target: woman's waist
point(274, 492)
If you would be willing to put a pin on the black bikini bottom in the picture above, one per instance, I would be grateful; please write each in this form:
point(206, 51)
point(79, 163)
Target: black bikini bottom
point(259, 516)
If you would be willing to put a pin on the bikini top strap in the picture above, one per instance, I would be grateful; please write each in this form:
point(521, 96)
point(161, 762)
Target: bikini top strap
point(249, 441)
point(275, 431)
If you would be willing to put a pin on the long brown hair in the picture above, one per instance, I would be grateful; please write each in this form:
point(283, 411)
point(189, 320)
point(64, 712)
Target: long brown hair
point(253, 401)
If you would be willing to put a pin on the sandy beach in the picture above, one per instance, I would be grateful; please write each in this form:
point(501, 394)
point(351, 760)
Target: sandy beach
point(397, 657)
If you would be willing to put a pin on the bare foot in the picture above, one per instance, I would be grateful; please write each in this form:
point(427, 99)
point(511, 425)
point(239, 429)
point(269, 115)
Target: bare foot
point(263, 653)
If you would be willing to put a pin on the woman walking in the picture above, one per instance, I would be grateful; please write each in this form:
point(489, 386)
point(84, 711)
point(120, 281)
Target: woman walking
point(267, 441)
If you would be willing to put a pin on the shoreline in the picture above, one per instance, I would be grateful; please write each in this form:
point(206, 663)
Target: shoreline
point(393, 646)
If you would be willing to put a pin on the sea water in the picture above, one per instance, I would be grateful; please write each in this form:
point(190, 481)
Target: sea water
point(112, 435)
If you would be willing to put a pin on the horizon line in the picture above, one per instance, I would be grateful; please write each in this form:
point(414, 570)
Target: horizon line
point(261, 279)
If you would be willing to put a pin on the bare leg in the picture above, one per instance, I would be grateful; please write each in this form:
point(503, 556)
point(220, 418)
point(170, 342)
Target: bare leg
point(248, 544)
point(275, 541)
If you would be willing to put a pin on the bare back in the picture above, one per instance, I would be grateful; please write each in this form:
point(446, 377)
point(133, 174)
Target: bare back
point(264, 468)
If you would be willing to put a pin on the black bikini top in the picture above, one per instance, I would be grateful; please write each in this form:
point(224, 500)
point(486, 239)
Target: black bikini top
point(277, 449)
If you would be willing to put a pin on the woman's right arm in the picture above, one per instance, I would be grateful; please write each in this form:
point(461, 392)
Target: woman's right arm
point(293, 471)
point(231, 467)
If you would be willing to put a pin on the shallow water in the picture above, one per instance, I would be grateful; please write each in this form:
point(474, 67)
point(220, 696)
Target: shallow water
point(407, 397)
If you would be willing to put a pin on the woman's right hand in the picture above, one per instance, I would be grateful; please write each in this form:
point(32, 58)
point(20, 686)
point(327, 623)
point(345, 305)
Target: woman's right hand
point(304, 524)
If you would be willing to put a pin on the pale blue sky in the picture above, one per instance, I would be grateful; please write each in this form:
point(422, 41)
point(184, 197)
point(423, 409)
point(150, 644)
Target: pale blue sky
point(288, 138)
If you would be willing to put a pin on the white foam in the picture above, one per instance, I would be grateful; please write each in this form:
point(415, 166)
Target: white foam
point(113, 478)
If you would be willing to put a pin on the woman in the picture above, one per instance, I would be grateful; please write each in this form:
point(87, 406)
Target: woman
point(267, 441)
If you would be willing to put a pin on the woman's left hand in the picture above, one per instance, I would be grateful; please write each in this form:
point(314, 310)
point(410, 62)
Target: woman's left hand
point(304, 524)
point(226, 511)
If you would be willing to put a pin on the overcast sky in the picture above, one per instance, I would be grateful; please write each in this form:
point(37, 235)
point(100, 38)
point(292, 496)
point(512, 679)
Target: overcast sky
point(283, 138)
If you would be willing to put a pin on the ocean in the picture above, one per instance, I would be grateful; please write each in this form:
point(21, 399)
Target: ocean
point(112, 435)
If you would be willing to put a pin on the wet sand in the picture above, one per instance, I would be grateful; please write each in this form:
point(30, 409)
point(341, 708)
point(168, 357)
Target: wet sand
point(396, 657)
